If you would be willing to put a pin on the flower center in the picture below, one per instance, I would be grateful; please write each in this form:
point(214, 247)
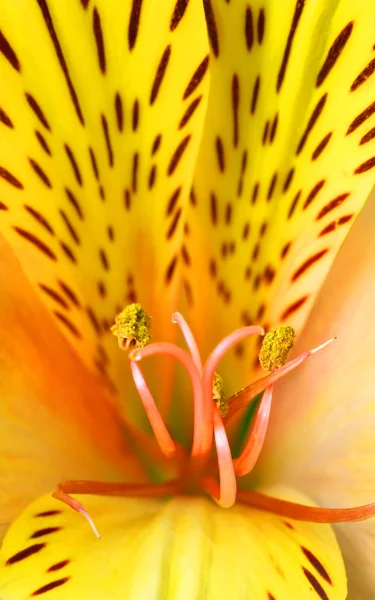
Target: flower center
point(200, 470)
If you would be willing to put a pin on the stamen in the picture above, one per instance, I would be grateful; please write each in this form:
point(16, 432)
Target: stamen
point(218, 395)
point(245, 396)
point(189, 339)
point(167, 445)
point(103, 488)
point(276, 346)
point(215, 357)
point(203, 411)
point(250, 454)
point(228, 485)
point(132, 327)
point(301, 512)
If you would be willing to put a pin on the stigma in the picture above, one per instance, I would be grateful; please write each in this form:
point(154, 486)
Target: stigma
point(208, 467)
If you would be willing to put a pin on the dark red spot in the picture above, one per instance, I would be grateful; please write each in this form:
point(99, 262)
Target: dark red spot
point(170, 270)
point(271, 188)
point(308, 263)
point(107, 140)
point(37, 110)
point(68, 252)
point(73, 298)
point(30, 237)
point(23, 554)
point(94, 319)
point(70, 227)
point(9, 53)
point(211, 27)
point(54, 295)
point(42, 141)
point(74, 202)
point(178, 13)
point(249, 28)
point(265, 132)
point(316, 564)
point(135, 172)
point(235, 106)
point(156, 144)
point(363, 76)
point(5, 119)
point(50, 586)
point(320, 147)
point(39, 218)
point(292, 308)
point(39, 171)
point(361, 118)
point(98, 33)
point(10, 178)
point(332, 205)
point(152, 177)
point(174, 224)
point(313, 119)
point(135, 17)
point(314, 192)
point(300, 4)
point(58, 566)
point(254, 98)
point(366, 166)
point(334, 52)
point(177, 155)
point(274, 128)
point(220, 153)
point(172, 201)
point(160, 73)
point(196, 78)
point(261, 25)
point(135, 115)
point(104, 259)
point(285, 250)
point(59, 53)
point(293, 205)
point(94, 163)
point(368, 137)
point(315, 584)
point(189, 112)
point(255, 193)
point(119, 111)
point(213, 205)
point(288, 180)
point(45, 531)
point(74, 164)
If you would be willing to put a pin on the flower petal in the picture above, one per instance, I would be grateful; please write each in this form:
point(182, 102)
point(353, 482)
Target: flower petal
point(181, 548)
point(96, 139)
point(287, 159)
point(322, 427)
point(55, 419)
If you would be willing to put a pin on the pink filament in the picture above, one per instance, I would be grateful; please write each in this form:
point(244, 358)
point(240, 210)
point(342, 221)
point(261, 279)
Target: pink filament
point(250, 454)
point(215, 357)
point(203, 416)
point(103, 488)
point(189, 339)
point(301, 512)
point(245, 396)
point(167, 445)
point(228, 485)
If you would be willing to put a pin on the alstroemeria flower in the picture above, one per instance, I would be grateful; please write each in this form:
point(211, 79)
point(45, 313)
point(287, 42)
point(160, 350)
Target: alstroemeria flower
point(207, 156)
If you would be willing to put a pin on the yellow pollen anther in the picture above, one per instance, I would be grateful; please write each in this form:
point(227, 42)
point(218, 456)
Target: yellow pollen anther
point(218, 395)
point(132, 327)
point(276, 346)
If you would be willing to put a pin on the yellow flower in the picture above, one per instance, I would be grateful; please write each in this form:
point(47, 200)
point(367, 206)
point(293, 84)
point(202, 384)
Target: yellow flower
point(207, 156)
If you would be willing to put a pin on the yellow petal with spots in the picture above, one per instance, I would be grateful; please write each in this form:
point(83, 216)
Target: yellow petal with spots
point(174, 549)
point(100, 120)
point(287, 159)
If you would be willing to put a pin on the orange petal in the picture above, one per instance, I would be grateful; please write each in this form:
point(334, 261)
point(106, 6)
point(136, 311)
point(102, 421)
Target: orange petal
point(56, 420)
point(323, 423)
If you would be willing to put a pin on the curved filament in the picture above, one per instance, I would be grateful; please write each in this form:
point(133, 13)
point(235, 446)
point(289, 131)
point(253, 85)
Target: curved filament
point(167, 445)
point(203, 415)
point(250, 454)
point(189, 339)
point(301, 512)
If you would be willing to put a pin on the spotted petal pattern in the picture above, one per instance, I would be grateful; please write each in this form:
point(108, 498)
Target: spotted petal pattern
point(101, 108)
point(286, 162)
point(176, 550)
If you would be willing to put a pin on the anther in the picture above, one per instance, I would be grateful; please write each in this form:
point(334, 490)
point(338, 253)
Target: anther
point(276, 346)
point(132, 327)
point(218, 395)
